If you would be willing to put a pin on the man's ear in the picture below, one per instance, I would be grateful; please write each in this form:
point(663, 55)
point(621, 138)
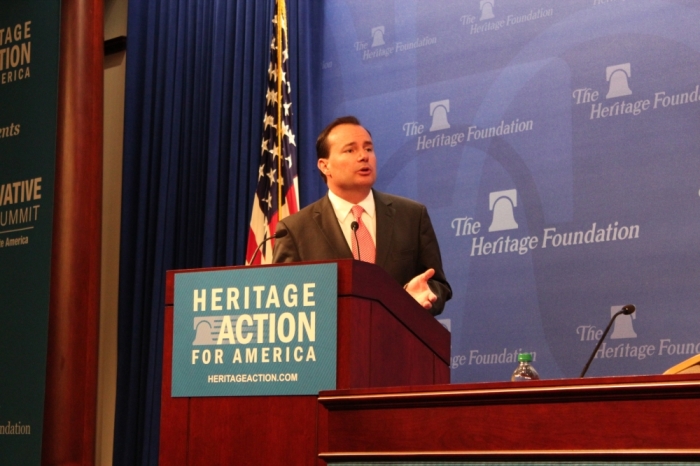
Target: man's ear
point(323, 166)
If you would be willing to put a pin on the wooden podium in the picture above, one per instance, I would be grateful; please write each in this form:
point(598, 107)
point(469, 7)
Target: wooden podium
point(384, 339)
point(623, 419)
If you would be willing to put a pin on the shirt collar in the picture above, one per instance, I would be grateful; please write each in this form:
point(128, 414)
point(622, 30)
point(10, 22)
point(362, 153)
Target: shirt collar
point(342, 207)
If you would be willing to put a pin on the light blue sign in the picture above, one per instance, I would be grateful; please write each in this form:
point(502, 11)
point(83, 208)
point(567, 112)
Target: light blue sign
point(255, 331)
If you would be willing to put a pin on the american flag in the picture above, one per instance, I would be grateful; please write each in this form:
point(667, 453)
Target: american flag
point(277, 193)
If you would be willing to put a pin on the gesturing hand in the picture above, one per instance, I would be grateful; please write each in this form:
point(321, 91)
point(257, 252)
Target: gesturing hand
point(419, 289)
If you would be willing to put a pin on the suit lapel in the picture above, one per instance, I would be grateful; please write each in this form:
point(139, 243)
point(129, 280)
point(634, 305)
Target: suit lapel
point(385, 227)
point(325, 218)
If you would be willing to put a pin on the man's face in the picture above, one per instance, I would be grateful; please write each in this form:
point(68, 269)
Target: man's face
point(351, 166)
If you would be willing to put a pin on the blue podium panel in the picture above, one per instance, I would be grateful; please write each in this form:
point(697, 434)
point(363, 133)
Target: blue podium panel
point(255, 331)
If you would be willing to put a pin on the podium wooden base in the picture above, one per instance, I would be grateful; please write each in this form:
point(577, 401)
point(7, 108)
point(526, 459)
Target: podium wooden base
point(628, 418)
point(384, 339)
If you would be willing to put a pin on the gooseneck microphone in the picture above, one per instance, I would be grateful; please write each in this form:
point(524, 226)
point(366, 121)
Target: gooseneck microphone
point(279, 234)
point(626, 310)
point(354, 226)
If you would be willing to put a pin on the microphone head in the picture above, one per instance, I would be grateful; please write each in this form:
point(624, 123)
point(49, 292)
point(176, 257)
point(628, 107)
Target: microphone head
point(281, 234)
point(628, 309)
point(354, 226)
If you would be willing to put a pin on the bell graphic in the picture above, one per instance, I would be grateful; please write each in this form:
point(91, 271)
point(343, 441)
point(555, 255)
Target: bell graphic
point(438, 110)
point(623, 324)
point(205, 331)
point(486, 9)
point(502, 203)
point(377, 36)
point(618, 75)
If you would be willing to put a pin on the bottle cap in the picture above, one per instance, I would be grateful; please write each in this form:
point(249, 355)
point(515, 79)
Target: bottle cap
point(524, 357)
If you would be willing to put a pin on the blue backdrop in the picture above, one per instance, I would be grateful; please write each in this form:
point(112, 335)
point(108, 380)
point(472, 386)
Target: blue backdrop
point(555, 145)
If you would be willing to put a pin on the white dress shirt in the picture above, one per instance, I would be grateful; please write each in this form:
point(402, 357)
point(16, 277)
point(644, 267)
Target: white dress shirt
point(343, 211)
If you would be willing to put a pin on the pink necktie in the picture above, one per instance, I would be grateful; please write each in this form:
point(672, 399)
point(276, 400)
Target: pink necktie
point(367, 249)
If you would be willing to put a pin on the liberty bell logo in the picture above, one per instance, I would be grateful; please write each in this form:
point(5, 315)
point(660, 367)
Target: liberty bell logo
point(623, 324)
point(486, 9)
point(439, 111)
point(206, 330)
point(617, 76)
point(377, 36)
point(502, 204)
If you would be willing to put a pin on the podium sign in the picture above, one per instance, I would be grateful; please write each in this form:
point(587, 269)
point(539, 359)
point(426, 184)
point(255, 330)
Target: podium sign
point(255, 331)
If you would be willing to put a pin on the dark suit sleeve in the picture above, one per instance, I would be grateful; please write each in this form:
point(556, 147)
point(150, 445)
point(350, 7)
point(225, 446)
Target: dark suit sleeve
point(430, 259)
point(285, 249)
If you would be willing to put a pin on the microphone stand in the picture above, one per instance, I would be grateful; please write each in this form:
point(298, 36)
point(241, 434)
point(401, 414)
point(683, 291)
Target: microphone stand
point(354, 226)
point(629, 309)
point(279, 234)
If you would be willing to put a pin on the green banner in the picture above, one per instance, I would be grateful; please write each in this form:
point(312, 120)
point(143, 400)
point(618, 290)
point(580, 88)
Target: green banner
point(29, 54)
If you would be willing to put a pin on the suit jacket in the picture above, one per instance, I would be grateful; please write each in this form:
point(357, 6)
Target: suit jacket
point(406, 242)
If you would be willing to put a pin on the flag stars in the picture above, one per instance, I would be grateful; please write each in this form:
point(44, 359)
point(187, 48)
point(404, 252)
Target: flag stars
point(269, 121)
point(290, 135)
point(275, 76)
point(272, 177)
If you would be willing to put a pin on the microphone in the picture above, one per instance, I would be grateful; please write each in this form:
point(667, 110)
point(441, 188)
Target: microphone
point(354, 226)
point(279, 234)
point(626, 310)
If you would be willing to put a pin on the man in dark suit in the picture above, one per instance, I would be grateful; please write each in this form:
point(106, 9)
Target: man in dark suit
point(331, 228)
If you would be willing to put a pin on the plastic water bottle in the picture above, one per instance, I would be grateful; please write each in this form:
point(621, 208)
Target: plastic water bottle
point(524, 371)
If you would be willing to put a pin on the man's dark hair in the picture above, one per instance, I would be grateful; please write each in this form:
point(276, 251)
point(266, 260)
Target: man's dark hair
point(322, 151)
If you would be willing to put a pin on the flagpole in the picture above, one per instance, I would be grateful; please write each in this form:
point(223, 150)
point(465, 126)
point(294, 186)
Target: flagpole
point(281, 16)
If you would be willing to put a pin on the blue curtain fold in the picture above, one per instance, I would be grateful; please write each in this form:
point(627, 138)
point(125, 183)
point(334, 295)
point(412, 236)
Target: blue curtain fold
point(195, 92)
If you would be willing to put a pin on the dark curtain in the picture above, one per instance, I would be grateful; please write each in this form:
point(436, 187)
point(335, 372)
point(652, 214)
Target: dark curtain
point(195, 93)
